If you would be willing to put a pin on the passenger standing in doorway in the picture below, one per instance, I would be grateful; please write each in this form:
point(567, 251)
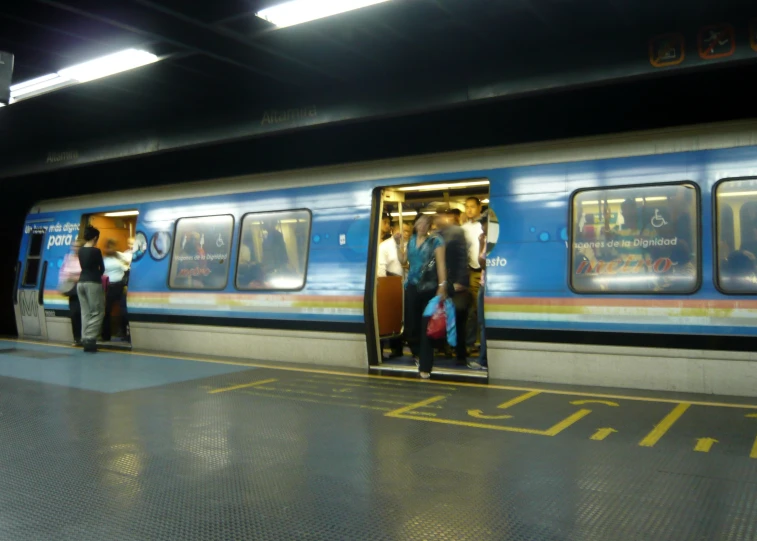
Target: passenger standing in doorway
point(473, 230)
point(420, 249)
point(456, 286)
point(126, 258)
point(70, 272)
point(115, 270)
point(90, 289)
point(386, 227)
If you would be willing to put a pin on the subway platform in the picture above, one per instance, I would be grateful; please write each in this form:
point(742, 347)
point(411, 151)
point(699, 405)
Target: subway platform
point(132, 446)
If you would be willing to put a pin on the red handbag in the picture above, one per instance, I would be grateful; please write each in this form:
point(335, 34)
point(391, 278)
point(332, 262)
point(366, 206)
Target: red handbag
point(105, 282)
point(437, 325)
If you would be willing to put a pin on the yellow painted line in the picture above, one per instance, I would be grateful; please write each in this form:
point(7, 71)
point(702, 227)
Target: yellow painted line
point(605, 402)
point(518, 400)
point(663, 426)
point(255, 392)
point(453, 384)
point(565, 423)
point(242, 386)
point(753, 454)
point(470, 424)
point(602, 433)
point(411, 407)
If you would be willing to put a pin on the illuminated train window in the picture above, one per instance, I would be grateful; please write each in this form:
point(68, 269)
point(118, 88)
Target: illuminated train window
point(200, 257)
point(736, 215)
point(273, 250)
point(636, 240)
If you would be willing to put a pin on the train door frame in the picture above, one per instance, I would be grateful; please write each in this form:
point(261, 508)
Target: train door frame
point(29, 298)
point(373, 339)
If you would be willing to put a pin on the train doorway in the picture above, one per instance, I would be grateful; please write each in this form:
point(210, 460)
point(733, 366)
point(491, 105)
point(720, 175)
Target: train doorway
point(29, 290)
point(392, 336)
point(117, 243)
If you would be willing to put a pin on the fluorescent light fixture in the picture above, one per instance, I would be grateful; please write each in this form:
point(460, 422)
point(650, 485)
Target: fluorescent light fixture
point(108, 65)
point(121, 213)
point(38, 85)
point(484, 201)
point(657, 198)
point(81, 73)
point(441, 186)
point(736, 194)
point(302, 11)
point(396, 214)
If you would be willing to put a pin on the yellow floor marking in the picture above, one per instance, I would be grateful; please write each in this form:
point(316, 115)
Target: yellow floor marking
point(663, 426)
point(452, 384)
point(411, 407)
point(470, 424)
point(243, 386)
point(518, 400)
point(753, 454)
point(479, 414)
point(565, 423)
point(705, 444)
point(255, 392)
point(602, 433)
point(605, 402)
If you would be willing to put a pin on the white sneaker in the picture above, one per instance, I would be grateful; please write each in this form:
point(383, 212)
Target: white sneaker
point(425, 375)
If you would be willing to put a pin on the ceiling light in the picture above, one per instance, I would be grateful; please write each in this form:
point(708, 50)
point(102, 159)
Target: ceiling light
point(302, 11)
point(484, 201)
point(108, 65)
point(38, 85)
point(396, 214)
point(456, 185)
point(121, 213)
point(81, 73)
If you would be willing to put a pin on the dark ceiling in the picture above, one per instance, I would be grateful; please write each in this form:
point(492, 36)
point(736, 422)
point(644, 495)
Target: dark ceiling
point(218, 55)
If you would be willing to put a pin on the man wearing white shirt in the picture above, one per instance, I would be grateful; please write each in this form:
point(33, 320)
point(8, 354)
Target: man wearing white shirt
point(473, 231)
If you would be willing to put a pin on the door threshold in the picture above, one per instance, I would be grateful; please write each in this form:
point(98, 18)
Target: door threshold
point(463, 375)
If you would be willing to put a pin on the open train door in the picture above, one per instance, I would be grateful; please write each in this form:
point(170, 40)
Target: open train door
point(29, 290)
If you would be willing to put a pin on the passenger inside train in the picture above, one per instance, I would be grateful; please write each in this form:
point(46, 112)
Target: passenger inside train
point(417, 219)
point(117, 230)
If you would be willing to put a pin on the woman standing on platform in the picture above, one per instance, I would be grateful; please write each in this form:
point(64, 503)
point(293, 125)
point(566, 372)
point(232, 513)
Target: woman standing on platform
point(90, 289)
point(68, 280)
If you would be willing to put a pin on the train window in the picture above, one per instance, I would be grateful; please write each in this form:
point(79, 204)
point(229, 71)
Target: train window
point(200, 255)
point(640, 239)
point(33, 259)
point(736, 211)
point(273, 250)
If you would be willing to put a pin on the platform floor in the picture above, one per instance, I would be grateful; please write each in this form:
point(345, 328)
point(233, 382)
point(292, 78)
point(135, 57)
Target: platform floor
point(143, 447)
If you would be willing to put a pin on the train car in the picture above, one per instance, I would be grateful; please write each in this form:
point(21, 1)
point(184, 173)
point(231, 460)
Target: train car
point(621, 261)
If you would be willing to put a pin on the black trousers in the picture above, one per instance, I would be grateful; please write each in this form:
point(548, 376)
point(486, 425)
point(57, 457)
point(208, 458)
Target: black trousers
point(461, 301)
point(74, 309)
point(415, 303)
point(113, 296)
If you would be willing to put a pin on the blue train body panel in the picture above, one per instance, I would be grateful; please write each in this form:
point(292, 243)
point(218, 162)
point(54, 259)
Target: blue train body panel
point(528, 273)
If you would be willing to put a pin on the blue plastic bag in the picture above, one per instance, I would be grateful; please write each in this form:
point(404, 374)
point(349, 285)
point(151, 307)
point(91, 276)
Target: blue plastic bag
point(449, 309)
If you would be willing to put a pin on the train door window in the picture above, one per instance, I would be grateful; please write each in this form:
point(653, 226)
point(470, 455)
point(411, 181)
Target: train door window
point(639, 239)
point(273, 250)
point(736, 215)
point(116, 228)
point(200, 253)
point(33, 259)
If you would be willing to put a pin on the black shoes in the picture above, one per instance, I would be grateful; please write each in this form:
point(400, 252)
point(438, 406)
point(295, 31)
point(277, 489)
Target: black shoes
point(90, 346)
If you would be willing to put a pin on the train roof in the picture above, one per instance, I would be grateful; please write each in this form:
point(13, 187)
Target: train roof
point(641, 143)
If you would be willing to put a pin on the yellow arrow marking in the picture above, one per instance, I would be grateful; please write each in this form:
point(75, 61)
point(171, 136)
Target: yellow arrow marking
point(602, 433)
point(663, 426)
point(479, 414)
point(605, 402)
point(705, 444)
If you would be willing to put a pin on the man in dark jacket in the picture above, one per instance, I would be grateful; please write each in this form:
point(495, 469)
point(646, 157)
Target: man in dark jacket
point(458, 278)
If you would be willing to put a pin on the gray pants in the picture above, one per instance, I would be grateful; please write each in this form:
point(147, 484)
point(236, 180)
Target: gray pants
point(92, 300)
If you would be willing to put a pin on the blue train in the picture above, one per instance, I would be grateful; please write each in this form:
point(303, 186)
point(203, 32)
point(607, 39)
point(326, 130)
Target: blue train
point(636, 235)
